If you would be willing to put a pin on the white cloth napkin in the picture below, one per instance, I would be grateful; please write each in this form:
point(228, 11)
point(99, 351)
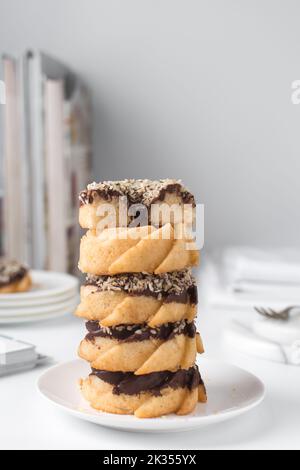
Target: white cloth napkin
point(241, 278)
point(257, 270)
point(217, 292)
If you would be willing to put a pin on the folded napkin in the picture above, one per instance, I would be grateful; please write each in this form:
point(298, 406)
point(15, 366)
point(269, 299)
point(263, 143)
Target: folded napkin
point(242, 277)
point(217, 292)
point(250, 269)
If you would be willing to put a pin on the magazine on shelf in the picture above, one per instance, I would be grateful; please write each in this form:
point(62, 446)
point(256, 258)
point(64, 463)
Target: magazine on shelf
point(46, 151)
point(2, 104)
point(13, 176)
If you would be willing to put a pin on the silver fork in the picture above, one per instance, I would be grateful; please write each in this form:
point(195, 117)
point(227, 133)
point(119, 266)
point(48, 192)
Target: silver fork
point(276, 314)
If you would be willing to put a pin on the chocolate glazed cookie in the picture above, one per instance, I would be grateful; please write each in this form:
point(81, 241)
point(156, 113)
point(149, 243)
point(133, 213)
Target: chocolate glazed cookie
point(14, 277)
point(137, 192)
point(145, 396)
point(138, 298)
point(137, 249)
point(141, 348)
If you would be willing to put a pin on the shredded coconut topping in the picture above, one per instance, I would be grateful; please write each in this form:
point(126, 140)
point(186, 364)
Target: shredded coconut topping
point(140, 191)
point(172, 283)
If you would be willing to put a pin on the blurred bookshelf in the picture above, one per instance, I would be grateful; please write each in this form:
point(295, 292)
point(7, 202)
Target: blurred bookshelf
point(45, 159)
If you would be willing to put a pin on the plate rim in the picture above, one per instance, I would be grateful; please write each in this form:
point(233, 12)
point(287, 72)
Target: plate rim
point(40, 309)
point(183, 423)
point(38, 301)
point(43, 293)
point(13, 320)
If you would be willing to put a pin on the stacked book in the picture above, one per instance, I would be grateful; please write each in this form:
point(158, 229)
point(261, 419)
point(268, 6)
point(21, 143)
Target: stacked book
point(140, 300)
point(45, 140)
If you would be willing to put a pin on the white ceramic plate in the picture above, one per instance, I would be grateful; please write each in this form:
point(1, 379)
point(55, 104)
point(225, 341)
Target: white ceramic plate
point(45, 284)
point(10, 319)
point(231, 392)
point(7, 312)
point(38, 301)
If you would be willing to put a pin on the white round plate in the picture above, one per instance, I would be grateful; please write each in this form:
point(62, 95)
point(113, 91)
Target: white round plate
point(45, 284)
point(40, 317)
point(231, 392)
point(38, 309)
point(38, 301)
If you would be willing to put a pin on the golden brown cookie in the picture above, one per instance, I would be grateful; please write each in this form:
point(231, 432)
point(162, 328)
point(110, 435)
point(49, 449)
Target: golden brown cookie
point(141, 349)
point(95, 198)
point(138, 298)
point(14, 277)
point(138, 249)
point(114, 308)
point(147, 396)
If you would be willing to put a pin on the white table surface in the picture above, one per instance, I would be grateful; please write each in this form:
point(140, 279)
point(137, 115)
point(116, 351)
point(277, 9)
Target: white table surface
point(29, 422)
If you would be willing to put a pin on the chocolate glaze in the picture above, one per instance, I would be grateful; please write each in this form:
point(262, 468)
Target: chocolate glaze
point(188, 296)
point(131, 333)
point(130, 384)
point(11, 271)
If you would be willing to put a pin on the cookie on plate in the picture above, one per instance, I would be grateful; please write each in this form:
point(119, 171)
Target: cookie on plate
point(141, 348)
point(139, 298)
point(137, 249)
point(145, 396)
point(139, 192)
point(14, 277)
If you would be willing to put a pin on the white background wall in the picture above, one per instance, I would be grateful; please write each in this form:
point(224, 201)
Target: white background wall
point(198, 90)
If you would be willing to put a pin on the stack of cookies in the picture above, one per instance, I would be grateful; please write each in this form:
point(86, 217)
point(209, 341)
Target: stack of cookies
point(140, 301)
